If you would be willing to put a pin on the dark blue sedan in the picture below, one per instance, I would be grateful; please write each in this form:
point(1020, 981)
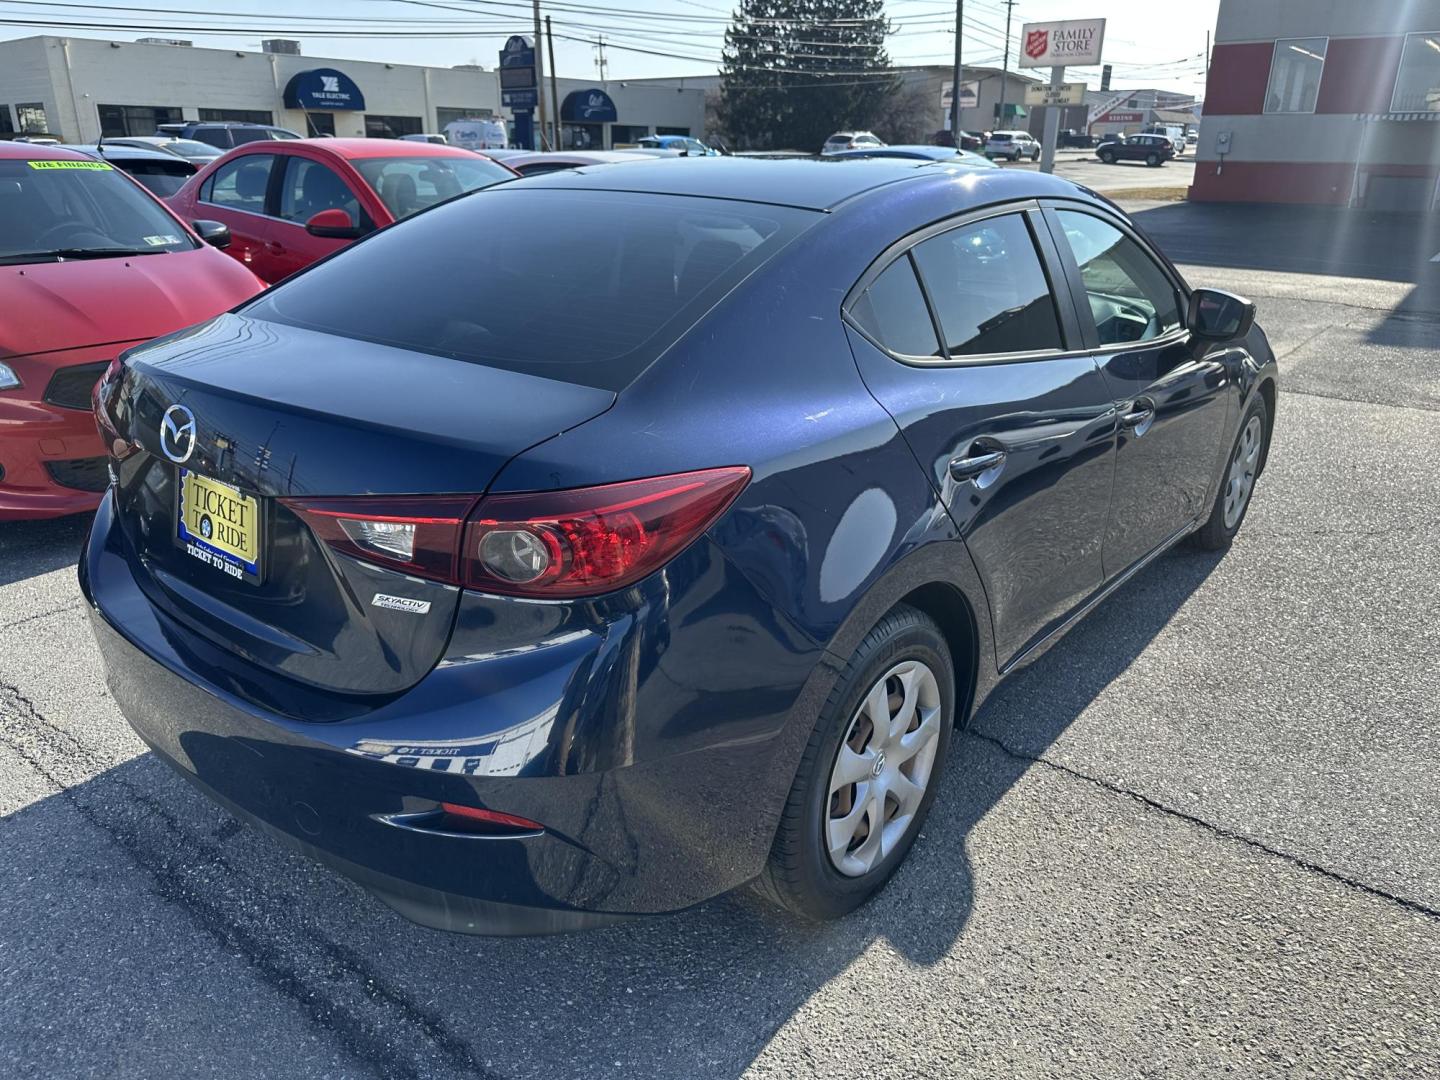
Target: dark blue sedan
point(597, 543)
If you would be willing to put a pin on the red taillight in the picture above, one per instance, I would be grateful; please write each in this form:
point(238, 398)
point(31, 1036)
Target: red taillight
point(580, 542)
point(418, 534)
point(588, 541)
point(473, 819)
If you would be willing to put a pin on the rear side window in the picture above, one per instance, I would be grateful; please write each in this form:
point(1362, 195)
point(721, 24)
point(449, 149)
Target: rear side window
point(893, 312)
point(247, 135)
point(214, 136)
point(241, 184)
point(582, 286)
point(989, 288)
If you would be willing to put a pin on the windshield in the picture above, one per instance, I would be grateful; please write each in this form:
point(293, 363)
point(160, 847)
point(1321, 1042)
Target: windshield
point(406, 184)
point(76, 207)
point(582, 286)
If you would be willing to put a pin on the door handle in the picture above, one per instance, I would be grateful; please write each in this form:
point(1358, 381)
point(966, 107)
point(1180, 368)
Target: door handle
point(967, 468)
point(274, 247)
point(1138, 415)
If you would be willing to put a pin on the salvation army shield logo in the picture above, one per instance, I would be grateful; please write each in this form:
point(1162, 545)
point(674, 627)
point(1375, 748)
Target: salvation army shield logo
point(1037, 43)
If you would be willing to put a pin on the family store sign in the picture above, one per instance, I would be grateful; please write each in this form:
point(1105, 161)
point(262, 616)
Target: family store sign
point(1057, 44)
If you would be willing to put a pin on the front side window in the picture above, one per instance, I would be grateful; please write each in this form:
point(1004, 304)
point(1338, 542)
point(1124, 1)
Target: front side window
point(241, 184)
point(1295, 73)
point(893, 312)
point(581, 286)
point(406, 185)
point(310, 187)
point(1417, 86)
point(989, 289)
point(71, 208)
point(1131, 298)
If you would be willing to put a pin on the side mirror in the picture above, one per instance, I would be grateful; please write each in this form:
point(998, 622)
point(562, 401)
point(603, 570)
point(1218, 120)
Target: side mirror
point(214, 233)
point(1220, 315)
point(333, 224)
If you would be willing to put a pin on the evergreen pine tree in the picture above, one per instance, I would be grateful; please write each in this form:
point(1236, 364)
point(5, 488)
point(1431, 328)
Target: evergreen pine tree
point(796, 70)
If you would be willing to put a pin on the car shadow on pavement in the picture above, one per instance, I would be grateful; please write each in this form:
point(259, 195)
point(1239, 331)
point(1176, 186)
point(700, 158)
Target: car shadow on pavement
point(163, 905)
point(28, 548)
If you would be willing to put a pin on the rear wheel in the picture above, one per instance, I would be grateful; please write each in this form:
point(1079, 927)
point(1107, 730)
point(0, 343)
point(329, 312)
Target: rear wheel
point(1153, 160)
point(869, 772)
point(1238, 483)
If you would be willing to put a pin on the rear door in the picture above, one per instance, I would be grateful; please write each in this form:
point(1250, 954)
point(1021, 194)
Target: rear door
point(237, 193)
point(1010, 416)
point(1173, 393)
point(307, 186)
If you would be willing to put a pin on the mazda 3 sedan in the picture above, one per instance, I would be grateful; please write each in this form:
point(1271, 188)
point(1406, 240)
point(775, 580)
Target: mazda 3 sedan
point(657, 544)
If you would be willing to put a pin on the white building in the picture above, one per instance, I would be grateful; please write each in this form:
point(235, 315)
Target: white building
point(77, 88)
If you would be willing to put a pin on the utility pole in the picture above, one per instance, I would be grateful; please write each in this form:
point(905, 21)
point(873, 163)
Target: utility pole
point(554, 85)
point(1004, 71)
point(959, 71)
point(600, 55)
point(539, 74)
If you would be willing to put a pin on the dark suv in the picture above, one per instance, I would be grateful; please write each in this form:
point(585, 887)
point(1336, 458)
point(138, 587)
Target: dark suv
point(225, 135)
point(1153, 150)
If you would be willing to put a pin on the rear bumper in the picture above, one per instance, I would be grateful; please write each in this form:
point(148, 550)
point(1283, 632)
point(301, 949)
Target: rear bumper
point(629, 831)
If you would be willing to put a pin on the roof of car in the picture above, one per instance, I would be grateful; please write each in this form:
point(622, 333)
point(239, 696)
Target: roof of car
point(18, 151)
point(352, 149)
point(125, 152)
point(813, 184)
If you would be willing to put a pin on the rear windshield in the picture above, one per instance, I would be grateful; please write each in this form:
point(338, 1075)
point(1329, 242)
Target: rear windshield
point(407, 184)
point(79, 206)
point(164, 178)
point(583, 286)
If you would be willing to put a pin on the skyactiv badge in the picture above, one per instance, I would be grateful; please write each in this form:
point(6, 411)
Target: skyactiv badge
point(69, 164)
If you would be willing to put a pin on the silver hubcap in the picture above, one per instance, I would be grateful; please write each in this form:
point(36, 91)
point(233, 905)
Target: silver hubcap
point(1241, 479)
point(883, 768)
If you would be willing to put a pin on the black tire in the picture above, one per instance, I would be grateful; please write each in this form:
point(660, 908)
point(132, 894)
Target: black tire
point(1215, 534)
point(1107, 157)
point(1153, 160)
point(800, 874)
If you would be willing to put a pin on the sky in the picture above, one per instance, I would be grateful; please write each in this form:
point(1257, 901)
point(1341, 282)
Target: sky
point(643, 37)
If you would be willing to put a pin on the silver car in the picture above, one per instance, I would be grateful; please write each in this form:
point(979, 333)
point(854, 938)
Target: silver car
point(851, 140)
point(1013, 145)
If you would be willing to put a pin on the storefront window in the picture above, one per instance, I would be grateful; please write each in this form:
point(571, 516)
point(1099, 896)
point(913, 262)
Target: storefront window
point(672, 131)
point(6, 126)
point(119, 120)
point(32, 118)
point(445, 114)
point(319, 124)
point(237, 116)
point(1417, 87)
point(582, 137)
point(627, 133)
point(1295, 75)
point(391, 127)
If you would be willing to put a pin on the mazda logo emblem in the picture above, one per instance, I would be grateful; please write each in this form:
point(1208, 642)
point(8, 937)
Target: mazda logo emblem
point(177, 434)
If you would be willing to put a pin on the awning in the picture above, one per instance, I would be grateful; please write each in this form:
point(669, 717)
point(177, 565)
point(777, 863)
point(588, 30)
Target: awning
point(323, 89)
point(587, 107)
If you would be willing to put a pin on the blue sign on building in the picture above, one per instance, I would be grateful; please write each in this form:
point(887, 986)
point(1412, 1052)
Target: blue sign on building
point(520, 99)
point(588, 107)
point(323, 89)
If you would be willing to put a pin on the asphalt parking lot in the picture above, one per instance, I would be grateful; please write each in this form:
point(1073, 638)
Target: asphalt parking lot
point(1199, 837)
point(1083, 167)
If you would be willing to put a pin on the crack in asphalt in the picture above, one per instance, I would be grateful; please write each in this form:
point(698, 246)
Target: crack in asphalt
point(1414, 906)
point(371, 1040)
point(41, 615)
point(1362, 401)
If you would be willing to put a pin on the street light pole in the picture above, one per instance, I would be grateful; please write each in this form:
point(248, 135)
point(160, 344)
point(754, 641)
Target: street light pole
point(959, 70)
point(1005, 70)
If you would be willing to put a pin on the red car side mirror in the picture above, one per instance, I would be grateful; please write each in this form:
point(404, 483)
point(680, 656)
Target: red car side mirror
point(333, 224)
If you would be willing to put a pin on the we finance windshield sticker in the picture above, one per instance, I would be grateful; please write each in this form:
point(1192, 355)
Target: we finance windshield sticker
point(69, 164)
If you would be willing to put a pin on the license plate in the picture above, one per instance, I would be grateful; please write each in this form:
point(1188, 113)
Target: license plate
point(219, 526)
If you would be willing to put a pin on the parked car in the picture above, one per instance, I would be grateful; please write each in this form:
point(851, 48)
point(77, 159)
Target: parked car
point(223, 134)
point(290, 203)
point(1013, 145)
point(480, 134)
point(1153, 150)
point(1074, 138)
point(1174, 132)
point(537, 162)
point(850, 140)
point(502, 612)
point(438, 140)
point(969, 140)
point(159, 171)
point(90, 264)
point(192, 150)
point(917, 152)
point(685, 144)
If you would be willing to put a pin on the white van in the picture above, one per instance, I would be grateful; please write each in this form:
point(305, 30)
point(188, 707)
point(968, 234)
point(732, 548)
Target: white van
point(477, 134)
point(1174, 132)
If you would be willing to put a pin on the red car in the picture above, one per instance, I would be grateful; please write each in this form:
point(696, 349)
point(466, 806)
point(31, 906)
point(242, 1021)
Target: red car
point(90, 264)
point(290, 203)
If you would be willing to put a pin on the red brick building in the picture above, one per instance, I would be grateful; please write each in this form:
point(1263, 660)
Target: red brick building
point(1323, 101)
